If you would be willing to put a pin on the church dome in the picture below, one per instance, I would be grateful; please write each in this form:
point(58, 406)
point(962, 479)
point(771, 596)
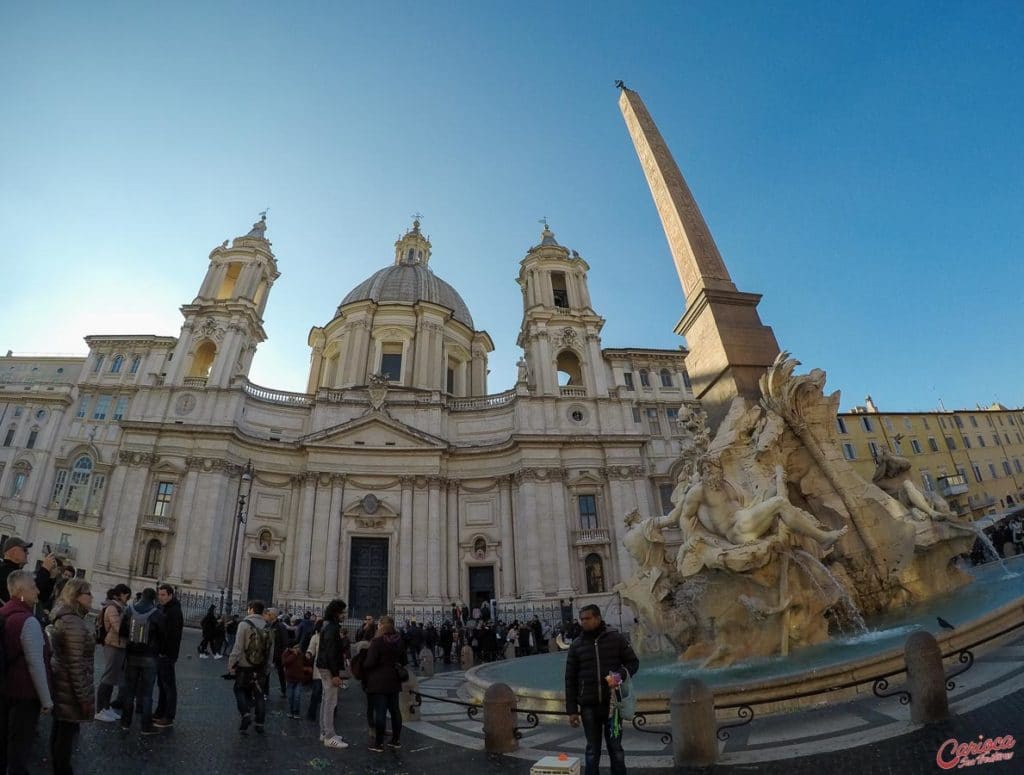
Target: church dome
point(410, 283)
point(410, 280)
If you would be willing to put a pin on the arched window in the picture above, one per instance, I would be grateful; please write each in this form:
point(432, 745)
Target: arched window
point(136, 362)
point(666, 378)
point(595, 574)
point(115, 366)
point(77, 490)
point(22, 471)
point(227, 286)
point(151, 562)
point(645, 378)
point(569, 371)
point(203, 360)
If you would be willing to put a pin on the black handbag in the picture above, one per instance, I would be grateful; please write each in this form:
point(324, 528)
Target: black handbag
point(403, 674)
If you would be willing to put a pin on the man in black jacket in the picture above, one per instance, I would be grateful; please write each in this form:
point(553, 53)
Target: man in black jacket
point(143, 625)
point(166, 681)
point(15, 552)
point(598, 652)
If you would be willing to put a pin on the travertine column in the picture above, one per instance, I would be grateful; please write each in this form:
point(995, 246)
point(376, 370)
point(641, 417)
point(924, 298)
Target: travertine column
point(730, 347)
point(331, 586)
point(623, 500)
point(406, 558)
point(547, 378)
point(304, 544)
point(434, 568)
point(452, 558)
point(114, 524)
point(418, 557)
point(131, 509)
point(176, 572)
point(558, 525)
point(508, 549)
point(321, 515)
point(533, 583)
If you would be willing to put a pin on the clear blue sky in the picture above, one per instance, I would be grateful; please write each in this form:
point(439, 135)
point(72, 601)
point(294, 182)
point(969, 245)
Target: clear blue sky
point(858, 164)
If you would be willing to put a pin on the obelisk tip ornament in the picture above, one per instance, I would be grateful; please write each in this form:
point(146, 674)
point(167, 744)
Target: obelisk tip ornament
point(730, 347)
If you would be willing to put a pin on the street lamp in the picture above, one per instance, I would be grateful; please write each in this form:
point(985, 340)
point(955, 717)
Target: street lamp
point(236, 531)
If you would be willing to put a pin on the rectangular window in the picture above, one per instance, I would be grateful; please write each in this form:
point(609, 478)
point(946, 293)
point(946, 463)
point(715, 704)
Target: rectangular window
point(19, 483)
point(907, 424)
point(628, 376)
point(652, 420)
point(849, 451)
point(96, 492)
point(929, 483)
point(17, 411)
point(992, 470)
point(120, 407)
point(636, 414)
point(665, 494)
point(97, 365)
point(866, 424)
point(58, 485)
point(588, 512)
point(933, 445)
point(686, 380)
point(925, 421)
point(162, 504)
point(950, 443)
point(888, 423)
point(841, 425)
point(995, 439)
point(981, 440)
point(1020, 439)
point(391, 361)
point(1016, 464)
point(32, 436)
point(449, 380)
point(916, 446)
point(1007, 437)
point(102, 405)
point(9, 437)
point(942, 422)
point(673, 416)
point(83, 407)
point(958, 421)
point(561, 293)
point(974, 421)
point(967, 442)
point(874, 450)
point(1006, 468)
point(897, 446)
point(977, 472)
point(645, 378)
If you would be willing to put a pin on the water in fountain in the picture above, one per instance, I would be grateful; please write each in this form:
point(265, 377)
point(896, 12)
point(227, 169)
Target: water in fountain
point(853, 614)
point(990, 549)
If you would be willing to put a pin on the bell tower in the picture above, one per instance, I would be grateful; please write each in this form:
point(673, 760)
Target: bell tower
point(224, 322)
point(560, 333)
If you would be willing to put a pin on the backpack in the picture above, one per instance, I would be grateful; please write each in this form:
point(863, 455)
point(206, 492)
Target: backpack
point(355, 665)
point(257, 646)
point(138, 627)
point(101, 626)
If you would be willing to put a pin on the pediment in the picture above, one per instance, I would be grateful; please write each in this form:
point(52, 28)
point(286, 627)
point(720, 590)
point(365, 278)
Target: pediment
point(374, 431)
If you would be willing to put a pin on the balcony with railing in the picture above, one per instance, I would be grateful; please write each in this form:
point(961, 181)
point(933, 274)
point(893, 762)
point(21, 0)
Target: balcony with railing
point(593, 535)
point(571, 391)
point(195, 382)
point(951, 486)
point(482, 402)
point(158, 522)
point(276, 396)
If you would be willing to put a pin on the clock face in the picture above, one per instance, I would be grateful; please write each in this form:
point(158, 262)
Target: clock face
point(185, 403)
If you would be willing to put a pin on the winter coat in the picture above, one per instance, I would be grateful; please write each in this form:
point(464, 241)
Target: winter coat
point(379, 665)
point(157, 630)
point(294, 662)
point(71, 663)
point(111, 612)
point(589, 659)
point(209, 626)
point(44, 581)
point(245, 631)
point(174, 623)
point(330, 655)
point(28, 655)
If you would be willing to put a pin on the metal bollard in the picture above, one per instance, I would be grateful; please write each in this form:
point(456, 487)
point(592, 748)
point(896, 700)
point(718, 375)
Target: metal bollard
point(926, 679)
point(694, 741)
point(500, 719)
point(426, 662)
point(406, 702)
point(466, 657)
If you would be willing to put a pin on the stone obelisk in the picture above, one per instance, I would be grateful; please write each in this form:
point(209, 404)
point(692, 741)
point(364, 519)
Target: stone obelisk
point(730, 347)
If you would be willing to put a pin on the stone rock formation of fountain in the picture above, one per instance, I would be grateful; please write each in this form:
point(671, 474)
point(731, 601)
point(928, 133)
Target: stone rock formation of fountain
point(781, 534)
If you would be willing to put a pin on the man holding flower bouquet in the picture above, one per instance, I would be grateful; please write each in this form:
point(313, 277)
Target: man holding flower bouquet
point(597, 662)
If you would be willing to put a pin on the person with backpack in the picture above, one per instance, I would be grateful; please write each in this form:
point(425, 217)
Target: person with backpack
point(26, 654)
point(108, 637)
point(71, 665)
point(249, 662)
point(166, 681)
point(281, 635)
point(317, 692)
point(330, 662)
point(144, 628)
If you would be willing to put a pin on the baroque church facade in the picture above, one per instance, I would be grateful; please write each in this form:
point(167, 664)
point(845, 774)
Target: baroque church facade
point(396, 481)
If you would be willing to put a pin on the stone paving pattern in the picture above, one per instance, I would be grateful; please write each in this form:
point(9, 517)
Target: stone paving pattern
point(206, 740)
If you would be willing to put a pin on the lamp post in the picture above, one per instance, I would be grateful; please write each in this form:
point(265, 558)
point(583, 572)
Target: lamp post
point(245, 478)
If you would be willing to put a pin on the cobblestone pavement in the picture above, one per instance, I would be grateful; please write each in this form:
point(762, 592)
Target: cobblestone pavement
point(206, 740)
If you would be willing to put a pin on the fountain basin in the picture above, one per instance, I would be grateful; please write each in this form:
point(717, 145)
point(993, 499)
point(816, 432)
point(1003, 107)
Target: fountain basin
point(806, 678)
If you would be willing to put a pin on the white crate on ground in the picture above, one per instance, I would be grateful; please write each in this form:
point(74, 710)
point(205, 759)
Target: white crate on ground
point(557, 765)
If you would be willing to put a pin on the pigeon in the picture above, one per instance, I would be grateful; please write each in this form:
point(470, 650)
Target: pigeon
point(944, 624)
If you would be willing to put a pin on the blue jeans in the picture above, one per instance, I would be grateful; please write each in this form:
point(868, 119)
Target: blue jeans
point(294, 697)
point(139, 678)
point(167, 689)
point(383, 706)
point(595, 725)
point(249, 693)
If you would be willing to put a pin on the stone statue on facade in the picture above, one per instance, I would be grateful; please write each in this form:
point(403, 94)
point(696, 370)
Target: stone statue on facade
point(892, 474)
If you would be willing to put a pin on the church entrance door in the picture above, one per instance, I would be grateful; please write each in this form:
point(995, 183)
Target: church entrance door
point(368, 578)
point(481, 585)
point(261, 580)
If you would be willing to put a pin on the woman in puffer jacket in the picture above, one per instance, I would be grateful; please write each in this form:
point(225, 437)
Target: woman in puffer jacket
point(382, 682)
point(72, 666)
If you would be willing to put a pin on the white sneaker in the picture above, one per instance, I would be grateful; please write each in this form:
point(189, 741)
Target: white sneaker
point(204, 656)
point(335, 742)
point(108, 714)
point(218, 656)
